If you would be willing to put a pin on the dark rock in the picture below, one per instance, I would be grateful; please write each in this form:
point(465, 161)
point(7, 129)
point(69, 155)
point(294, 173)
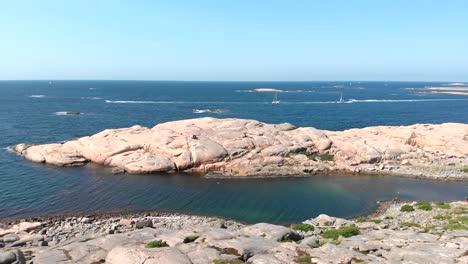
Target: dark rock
point(19, 243)
point(292, 236)
point(43, 243)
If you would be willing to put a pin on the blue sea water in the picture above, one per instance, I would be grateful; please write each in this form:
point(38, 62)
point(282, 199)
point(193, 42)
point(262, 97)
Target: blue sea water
point(31, 112)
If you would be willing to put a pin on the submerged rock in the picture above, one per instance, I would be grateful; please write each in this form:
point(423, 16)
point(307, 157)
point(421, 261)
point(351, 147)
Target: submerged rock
point(241, 147)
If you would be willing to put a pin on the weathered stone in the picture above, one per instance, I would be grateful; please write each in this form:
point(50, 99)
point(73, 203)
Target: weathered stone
point(233, 147)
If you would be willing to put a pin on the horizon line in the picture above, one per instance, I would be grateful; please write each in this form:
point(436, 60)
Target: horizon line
point(162, 80)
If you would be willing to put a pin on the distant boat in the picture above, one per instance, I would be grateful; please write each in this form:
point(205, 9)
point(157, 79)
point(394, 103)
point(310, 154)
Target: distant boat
point(275, 99)
point(341, 101)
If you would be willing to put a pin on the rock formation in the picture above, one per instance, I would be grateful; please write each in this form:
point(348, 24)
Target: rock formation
point(239, 147)
point(428, 233)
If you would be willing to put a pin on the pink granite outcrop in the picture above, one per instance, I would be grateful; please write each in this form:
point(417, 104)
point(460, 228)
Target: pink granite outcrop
point(240, 147)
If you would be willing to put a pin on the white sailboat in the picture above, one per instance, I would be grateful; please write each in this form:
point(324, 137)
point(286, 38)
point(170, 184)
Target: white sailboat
point(275, 99)
point(341, 101)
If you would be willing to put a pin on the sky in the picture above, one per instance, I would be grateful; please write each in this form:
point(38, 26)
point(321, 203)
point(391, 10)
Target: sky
point(237, 40)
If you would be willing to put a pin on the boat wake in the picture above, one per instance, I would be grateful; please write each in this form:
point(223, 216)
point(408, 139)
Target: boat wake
point(37, 96)
point(352, 101)
point(92, 98)
point(142, 102)
point(400, 100)
point(67, 113)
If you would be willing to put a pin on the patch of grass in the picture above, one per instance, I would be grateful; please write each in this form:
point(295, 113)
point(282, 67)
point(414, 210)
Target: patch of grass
point(303, 227)
point(328, 223)
point(456, 226)
point(425, 206)
point(312, 157)
point(460, 210)
point(442, 217)
point(410, 224)
point(459, 220)
point(327, 157)
point(464, 169)
point(227, 261)
point(407, 208)
point(363, 220)
point(342, 231)
point(190, 239)
point(303, 259)
point(443, 205)
point(428, 228)
point(156, 244)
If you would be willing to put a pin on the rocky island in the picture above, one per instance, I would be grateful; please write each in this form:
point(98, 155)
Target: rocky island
point(415, 232)
point(240, 147)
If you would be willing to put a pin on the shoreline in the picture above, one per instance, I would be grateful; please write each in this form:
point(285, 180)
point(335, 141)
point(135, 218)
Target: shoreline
point(387, 234)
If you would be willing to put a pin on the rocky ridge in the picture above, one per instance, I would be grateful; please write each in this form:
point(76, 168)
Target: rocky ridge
point(239, 147)
point(417, 232)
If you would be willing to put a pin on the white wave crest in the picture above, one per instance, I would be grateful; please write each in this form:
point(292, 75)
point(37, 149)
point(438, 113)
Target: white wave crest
point(9, 149)
point(37, 96)
point(201, 111)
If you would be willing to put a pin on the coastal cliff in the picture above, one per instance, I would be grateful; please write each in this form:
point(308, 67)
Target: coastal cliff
point(240, 147)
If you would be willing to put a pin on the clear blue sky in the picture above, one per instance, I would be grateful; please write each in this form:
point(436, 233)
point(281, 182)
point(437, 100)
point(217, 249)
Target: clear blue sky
point(235, 40)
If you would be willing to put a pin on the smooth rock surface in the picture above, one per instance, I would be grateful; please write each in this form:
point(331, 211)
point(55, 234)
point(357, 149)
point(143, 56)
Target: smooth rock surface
point(240, 147)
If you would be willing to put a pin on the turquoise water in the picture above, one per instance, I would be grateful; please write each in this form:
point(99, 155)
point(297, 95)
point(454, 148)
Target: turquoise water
point(28, 113)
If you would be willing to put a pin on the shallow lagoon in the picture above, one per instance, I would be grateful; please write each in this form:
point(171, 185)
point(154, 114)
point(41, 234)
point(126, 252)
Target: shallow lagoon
point(278, 200)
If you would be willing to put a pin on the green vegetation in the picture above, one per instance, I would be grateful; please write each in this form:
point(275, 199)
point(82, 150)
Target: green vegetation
point(443, 205)
point(327, 157)
point(465, 169)
point(303, 227)
point(328, 223)
point(363, 220)
point(190, 239)
point(428, 228)
point(156, 244)
point(426, 206)
point(456, 227)
point(442, 217)
point(303, 259)
point(227, 261)
point(342, 231)
point(323, 157)
point(410, 224)
point(459, 220)
point(407, 208)
point(460, 210)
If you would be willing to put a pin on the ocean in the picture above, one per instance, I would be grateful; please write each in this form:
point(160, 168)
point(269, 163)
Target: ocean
point(33, 112)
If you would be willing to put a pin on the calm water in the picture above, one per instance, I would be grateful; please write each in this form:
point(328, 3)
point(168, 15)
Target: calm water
point(28, 113)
